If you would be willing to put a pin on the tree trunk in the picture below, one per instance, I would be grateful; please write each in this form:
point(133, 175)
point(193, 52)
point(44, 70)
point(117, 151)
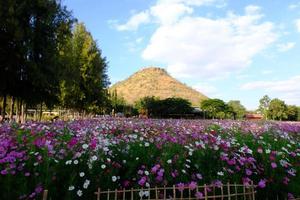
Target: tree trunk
point(19, 111)
point(12, 108)
point(41, 112)
point(22, 112)
point(4, 108)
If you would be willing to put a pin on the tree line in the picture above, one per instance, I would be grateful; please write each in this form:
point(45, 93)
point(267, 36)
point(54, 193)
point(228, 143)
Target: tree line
point(274, 109)
point(48, 59)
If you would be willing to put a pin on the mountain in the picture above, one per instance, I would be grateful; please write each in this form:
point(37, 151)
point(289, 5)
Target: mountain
point(153, 81)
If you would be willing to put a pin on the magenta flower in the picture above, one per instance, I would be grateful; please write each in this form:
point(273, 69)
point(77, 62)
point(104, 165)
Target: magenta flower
point(248, 172)
point(180, 186)
point(273, 165)
point(142, 181)
point(199, 195)
point(262, 183)
point(193, 185)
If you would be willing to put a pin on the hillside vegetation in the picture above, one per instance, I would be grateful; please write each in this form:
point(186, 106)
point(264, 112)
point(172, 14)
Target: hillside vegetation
point(156, 82)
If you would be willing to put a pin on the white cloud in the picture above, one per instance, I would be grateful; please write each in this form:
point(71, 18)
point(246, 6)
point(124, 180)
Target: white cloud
point(163, 12)
point(294, 5)
point(285, 89)
point(285, 46)
point(207, 89)
point(135, 21)
point(199, 46)
point(297, 23)
point(168, 13)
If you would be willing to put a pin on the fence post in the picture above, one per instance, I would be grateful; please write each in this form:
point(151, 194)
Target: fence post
point(116, 194)
point(228, 191)
point(98, 193)
point(45, 194)
point(174, 192)
point(131, 193)
point(124, 194)
point(205, 192)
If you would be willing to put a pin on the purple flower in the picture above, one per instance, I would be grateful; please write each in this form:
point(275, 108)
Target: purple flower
point(273, 165)
point(142, 181)
point(4, 172)
point(199, 195)
point(161, 172)
point(193, 185)
point(248, 172)
point(262, 183)
point(199, 176)
point(180, 186)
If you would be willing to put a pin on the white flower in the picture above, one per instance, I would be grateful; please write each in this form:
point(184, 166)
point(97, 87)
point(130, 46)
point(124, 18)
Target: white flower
point(137, 158)
point(220, 173)
point(169, 161)
point(114, 178)
point(124, 161)
point(103, 166)
point(147, 144)
point(268, 151)
point(86, 184)
point(81, 174)
point(75, 162)
point(35, 164)
point(105, 149)
point(183, 171)
point(147, 184)
point(85, 146)
point(71, 188)
point(108, 160)
point(141, 193)
point(146, 193)
point(187, 166)
point(94, 158)
point(68, 162)
point(146, 173)
point(79, 193)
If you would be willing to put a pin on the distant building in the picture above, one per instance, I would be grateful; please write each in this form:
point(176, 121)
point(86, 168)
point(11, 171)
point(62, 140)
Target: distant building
point(253, 116)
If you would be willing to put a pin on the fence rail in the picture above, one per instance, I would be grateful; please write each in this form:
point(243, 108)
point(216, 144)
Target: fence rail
point(205, 192)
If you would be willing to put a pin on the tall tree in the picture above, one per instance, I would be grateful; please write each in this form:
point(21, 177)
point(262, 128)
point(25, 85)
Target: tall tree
point(238, 110)
point(84, 87)
point(277, 109)
point(213, 107)
point(29, 35)
point(292, 112)
point(264, 104)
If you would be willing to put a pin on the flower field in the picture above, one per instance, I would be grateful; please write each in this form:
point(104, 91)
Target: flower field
point(72, 159)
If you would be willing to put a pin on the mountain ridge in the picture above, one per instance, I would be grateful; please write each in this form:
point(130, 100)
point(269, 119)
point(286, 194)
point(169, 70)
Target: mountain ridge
point(155, 81)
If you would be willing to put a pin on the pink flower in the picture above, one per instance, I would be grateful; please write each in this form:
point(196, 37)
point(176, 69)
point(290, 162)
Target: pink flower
point(259, 150)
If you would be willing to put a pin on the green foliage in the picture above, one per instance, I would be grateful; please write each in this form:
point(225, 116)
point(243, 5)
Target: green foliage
point(170, 107)
point(237, 109)
point(30, 33)
point(277, 109)
point(85, 80)
point(292, 112)
point(264, 104)
point(214, 107)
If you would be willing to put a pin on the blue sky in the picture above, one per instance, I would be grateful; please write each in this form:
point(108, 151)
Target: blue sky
point(228, 49)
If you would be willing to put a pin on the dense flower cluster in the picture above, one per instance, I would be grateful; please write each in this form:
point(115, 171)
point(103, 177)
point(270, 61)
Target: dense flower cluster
point(72, 159)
